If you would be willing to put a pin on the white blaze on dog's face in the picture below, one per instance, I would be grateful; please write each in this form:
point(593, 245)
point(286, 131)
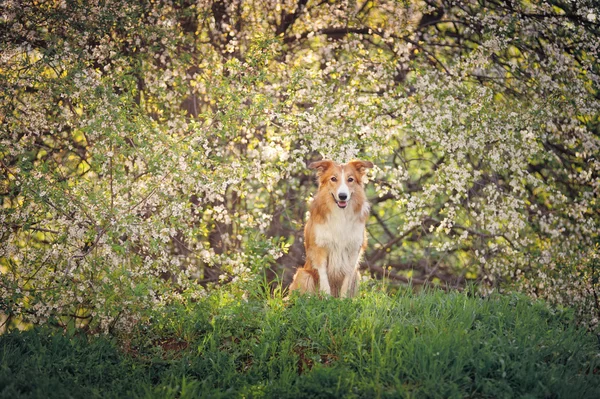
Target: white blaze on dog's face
point(341, 181)
point(343, 193)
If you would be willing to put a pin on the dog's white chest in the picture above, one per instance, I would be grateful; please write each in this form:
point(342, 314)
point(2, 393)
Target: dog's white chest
point(342, 235)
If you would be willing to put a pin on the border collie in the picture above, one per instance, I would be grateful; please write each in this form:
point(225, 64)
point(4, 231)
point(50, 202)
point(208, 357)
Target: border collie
point(334, 235)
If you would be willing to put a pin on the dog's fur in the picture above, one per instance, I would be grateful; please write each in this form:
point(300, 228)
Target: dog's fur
point(334, 235)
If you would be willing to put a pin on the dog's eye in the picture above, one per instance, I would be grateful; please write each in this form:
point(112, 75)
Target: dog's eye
point(350, 179)
point(334, 178)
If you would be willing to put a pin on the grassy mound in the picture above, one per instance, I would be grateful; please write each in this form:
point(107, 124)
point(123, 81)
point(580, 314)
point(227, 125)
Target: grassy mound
point(428, 344)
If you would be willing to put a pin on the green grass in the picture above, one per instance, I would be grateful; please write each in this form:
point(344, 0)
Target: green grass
point(428, 344)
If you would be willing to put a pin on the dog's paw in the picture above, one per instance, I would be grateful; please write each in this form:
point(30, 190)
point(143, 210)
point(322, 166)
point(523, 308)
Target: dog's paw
point(325, 295)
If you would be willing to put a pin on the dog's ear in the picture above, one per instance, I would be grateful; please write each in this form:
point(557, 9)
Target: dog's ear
point(360, 166)
point(321, 166)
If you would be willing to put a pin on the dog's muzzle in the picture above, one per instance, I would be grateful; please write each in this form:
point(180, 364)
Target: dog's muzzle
point(342, 202)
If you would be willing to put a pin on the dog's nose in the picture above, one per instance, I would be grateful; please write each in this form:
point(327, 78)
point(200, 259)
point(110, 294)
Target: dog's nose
point(343, 196)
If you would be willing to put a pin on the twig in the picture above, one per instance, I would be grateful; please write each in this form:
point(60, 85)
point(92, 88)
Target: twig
point(86, 253)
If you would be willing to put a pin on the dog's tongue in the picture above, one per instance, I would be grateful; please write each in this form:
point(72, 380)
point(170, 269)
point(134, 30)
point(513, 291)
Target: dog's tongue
point(342, 204)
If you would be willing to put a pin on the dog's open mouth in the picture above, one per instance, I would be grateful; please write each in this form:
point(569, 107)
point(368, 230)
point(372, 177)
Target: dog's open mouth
point(340, 204)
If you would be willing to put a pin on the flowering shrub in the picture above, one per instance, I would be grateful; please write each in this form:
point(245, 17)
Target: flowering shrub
point(149, 150)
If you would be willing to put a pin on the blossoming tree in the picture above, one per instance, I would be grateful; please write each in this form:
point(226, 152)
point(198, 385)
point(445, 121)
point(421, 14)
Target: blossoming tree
point(149, 150)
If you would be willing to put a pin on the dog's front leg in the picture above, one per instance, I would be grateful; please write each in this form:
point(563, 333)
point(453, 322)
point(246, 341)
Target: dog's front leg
point(350, 285)
point(345, 284)
point(324, 280)
point(318, 258)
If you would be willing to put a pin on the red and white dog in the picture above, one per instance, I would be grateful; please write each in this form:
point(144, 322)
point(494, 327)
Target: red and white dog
point(334, 235)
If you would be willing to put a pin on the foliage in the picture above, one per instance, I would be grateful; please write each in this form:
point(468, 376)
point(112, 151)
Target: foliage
point(430, 344)
point(41, 363)
point(151, 149)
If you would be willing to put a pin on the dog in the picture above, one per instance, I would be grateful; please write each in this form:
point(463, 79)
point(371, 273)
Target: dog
point(334, 235)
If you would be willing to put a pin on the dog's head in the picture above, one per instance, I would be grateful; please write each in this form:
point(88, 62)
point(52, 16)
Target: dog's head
point(342, 181)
